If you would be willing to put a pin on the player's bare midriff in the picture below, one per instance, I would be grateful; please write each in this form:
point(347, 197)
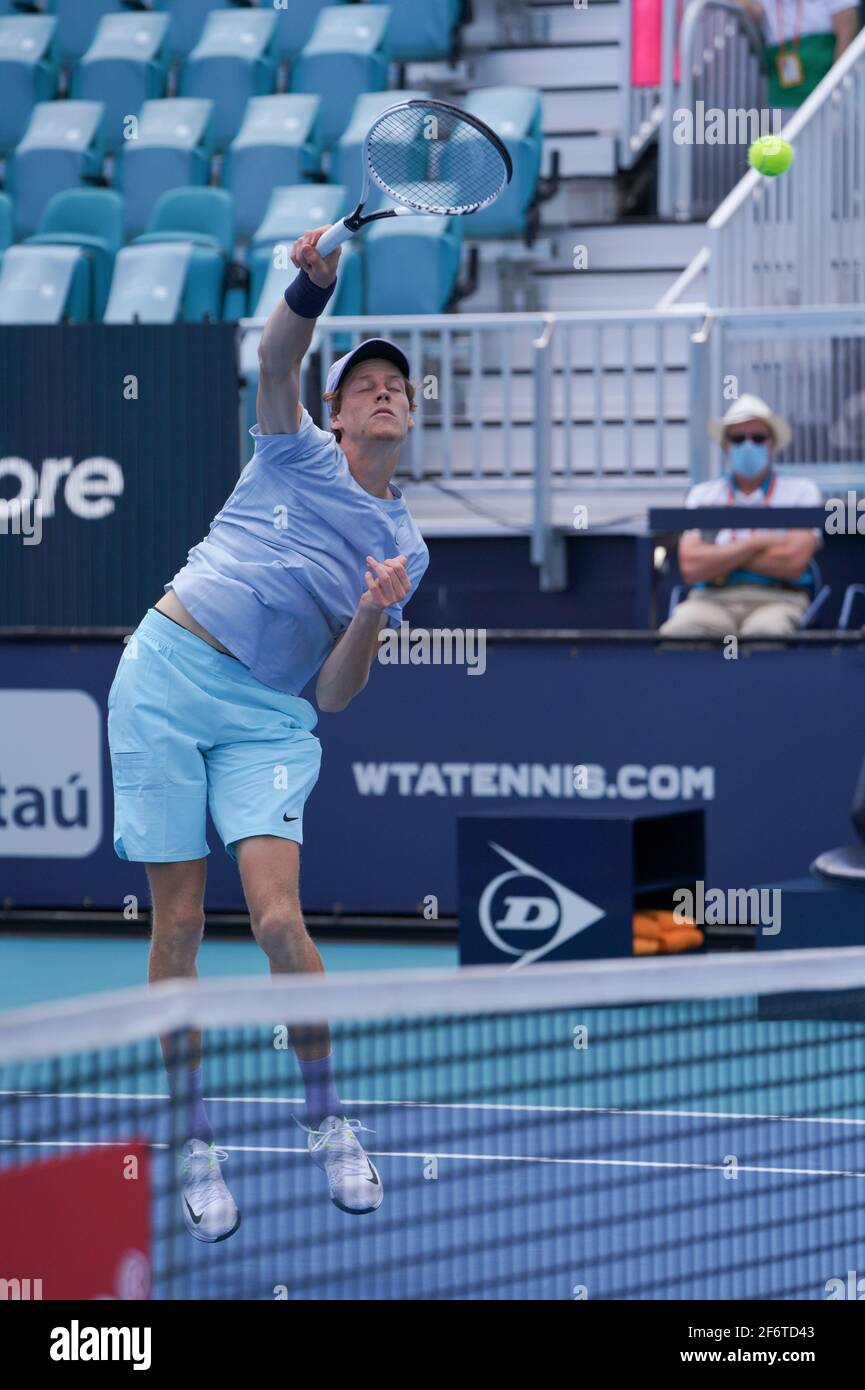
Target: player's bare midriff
point(171, 606)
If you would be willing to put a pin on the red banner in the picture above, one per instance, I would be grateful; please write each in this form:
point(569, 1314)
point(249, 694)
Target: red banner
point(77, 1227)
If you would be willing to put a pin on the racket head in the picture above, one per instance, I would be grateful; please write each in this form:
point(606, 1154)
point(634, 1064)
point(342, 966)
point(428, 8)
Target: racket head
point(432, 157)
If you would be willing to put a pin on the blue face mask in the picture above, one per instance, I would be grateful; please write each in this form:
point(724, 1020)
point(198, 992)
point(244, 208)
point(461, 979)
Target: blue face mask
point(748, 459)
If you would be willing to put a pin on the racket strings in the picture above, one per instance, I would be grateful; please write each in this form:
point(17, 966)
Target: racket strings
point(434, 161)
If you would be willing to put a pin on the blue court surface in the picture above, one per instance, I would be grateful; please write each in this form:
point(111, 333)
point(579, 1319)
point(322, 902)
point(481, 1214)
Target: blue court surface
point(682, 1155)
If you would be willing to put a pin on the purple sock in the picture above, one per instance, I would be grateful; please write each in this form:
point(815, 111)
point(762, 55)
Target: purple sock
point(320, 1090)
point(184, 1086)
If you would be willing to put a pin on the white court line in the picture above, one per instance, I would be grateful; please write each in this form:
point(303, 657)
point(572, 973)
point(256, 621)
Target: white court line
point(424, 1154)
point(456, 1105)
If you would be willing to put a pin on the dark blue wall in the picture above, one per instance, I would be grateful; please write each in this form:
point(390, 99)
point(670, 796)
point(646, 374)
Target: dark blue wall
point(775, 740)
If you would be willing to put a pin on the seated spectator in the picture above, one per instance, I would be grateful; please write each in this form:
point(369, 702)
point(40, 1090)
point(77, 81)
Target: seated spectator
point(803, 39)
point(750, 583)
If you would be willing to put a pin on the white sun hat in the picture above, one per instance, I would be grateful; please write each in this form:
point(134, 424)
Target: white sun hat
point(751, 408)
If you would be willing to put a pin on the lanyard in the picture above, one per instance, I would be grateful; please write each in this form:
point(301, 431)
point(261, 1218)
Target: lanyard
point(766, 488)
point(797, 22)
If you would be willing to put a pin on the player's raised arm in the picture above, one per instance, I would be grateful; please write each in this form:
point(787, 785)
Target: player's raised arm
point(288, 334)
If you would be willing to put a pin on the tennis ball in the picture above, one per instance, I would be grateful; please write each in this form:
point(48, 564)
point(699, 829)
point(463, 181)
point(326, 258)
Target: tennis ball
point(770, 155)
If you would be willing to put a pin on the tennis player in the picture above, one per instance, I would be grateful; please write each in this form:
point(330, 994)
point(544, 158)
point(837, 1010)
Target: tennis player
point(313, 554)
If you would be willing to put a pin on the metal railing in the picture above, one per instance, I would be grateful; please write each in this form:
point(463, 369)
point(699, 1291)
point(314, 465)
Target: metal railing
point(723, 82)
point(639, 107)
point(810, 364)
point(566, 406)
point(613, 380)
point(800, 239)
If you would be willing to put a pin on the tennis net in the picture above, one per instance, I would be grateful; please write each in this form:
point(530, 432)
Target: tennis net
point(683, 1129)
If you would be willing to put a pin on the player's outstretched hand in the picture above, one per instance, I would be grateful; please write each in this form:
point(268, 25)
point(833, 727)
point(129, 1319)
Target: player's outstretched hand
point(320, 269)
point(387, 582)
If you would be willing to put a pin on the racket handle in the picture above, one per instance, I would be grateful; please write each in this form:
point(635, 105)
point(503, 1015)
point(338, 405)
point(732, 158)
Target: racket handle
point(338, 233)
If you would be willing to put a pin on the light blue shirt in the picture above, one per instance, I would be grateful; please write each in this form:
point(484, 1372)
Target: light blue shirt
point(281, 571)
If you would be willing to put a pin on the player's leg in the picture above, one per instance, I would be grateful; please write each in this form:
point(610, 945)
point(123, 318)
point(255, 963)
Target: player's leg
point(159, 710)
point(177, 897)
point(269, 870)
point(177, 926)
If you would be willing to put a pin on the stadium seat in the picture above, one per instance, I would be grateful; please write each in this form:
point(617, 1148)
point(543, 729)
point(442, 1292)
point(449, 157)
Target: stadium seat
point(276, 145)
point(188, 18)
point(296, 23)
point(78, 21)
point(123, 67)
point(811, 618)
point(175, 272)
point(346, 55)
point(92, 219)
point(6, 222)
point(412, 264)
point(235, 59)
point(45, 285)
point(62, 144)
point(515, 114)
point(345, 167)
point(27, 72)
point(202, 215)
point(419, 32)
point(290, 212)
point(173, 150)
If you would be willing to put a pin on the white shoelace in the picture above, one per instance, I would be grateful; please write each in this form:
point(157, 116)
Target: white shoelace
point(343, 1148)
point(206, 1183)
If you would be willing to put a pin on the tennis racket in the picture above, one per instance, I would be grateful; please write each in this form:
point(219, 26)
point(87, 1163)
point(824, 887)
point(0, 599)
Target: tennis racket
point(430, 158)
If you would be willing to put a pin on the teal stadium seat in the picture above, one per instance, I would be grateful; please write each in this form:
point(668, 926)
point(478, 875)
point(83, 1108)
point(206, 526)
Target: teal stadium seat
point(124, 66)
point(296, 23)
point(346, 55)
point(412, 264)
point(62, 145)
point(173, 150)
point(188, 18)
point(346, 155)
point(176, 271)
point(92, 219)
point(45, 285)
point(234, 60)
point(78, 21)
point(7, 219)
point(515, 114)
point(276, 145)
point(422, 31)
point(203, 215)
point(28, 72)
point(290, 212)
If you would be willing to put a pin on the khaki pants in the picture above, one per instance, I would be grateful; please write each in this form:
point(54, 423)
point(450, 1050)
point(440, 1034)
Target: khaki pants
point(744, 610)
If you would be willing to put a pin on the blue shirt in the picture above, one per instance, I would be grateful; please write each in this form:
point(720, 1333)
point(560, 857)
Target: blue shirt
point(281, 571)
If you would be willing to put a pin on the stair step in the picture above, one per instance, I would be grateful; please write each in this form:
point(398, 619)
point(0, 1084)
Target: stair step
point(588, 347)
point(575, 289)
point(574, 65)
point(588, 109)
point(583, 156)
point(631, 246)
point(579, 201)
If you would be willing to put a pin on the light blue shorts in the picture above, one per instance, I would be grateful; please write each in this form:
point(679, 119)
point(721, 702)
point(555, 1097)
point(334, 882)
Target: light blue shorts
point(189, 728)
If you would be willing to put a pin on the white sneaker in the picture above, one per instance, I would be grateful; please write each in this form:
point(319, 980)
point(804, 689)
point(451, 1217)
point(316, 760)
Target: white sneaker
point(355, 1185)
point(209, 1209)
